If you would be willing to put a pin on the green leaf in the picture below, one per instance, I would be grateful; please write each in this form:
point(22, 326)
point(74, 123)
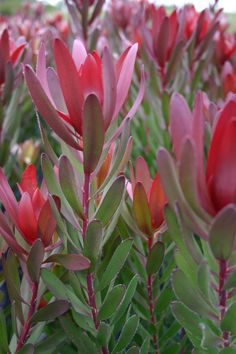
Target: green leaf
point(231, 281)
point(79, 339)
point(116, 263)
point(141, 209)
point(69, 186)
point(104, 334)
point(133, 350)
point(93, 242)
point(73, 261)
point(51, 311)
point(50, 343)
point(229, 321)
point(127, 334)
point(189, 295)
point(155, 258)
point(163, 301)
point(27, 349)
point(54, 284)
point(35, 260)
point(190, 321)
point(126, 299)
point(111, 302)
point(222, 233)
point(110, 203)
point(145, 346)
point(3, 334)
point(204, 279)
point(93, 133)
point(55, 189)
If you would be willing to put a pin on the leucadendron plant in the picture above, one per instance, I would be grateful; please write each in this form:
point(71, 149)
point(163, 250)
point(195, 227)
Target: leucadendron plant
point(148, 201)
point(201, 191)
point(80, 101)
point(34, 245)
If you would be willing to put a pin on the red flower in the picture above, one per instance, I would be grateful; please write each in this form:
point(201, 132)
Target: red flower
point(148, 198)
point(32, 215)
point(60, 95)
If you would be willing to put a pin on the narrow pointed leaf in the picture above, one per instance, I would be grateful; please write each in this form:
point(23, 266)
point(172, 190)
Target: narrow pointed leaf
point(69, 186)
point(35, 260)
point(116, 263)
point(93, 241)
point(51, 311)
point(127, 334)
point(111, 201)
point(229, 321)
point(155, 258)
point(72, 262)
point(222, 233)
point(111, 302)
point(141, 210)
point(93, 133)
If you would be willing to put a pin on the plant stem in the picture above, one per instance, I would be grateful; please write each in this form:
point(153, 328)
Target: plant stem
point(90, 287)
point(26, 328)
point(150, 299)
point(223, 297)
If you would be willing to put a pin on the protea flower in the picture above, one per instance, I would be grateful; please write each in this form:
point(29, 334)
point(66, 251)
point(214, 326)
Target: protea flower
point(31, 215)
point(60, 95)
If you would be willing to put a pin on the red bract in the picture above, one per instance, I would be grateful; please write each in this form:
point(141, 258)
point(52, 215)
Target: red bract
point(229, 78)
point(216, 186)
point(225, 46)
point(32, 215)
point(161, 39)
point(9, 52)
point(148, 198)
point(60, 95)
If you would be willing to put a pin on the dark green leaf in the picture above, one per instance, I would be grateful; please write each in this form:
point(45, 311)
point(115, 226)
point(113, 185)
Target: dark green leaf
point(231, 281)
point(116, 263)
point(93, 242)
point(111, 302)
point(189, 295)
point(222, 233)
point(27, 349)
point(80, 339)
point(69, 186)
point(110, 203)
point(3, 334)
point(35, 260)
point(126, 299)
point(54, 284)
point(127, 334)
point(93, 133)
point(72, 262)
point(229, 321)
point(51, 311)
point(190, 321)
point(145, 346)
point(104, 334)
point(155, 258)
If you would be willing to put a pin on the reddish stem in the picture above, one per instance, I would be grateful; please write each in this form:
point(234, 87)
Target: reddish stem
point(223, 297)
point(150, 299)
point(26, 328)
point(90, 287)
